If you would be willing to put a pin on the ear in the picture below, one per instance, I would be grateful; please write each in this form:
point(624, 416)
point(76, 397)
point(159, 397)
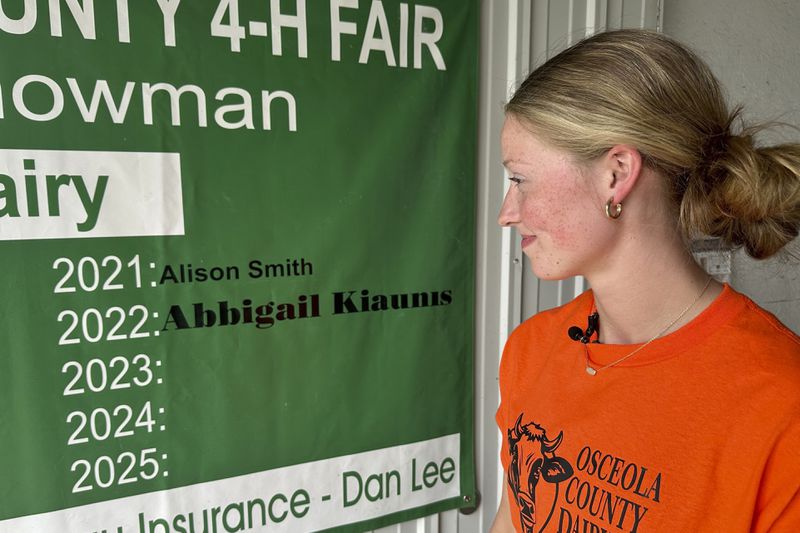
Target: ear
point(621, 167)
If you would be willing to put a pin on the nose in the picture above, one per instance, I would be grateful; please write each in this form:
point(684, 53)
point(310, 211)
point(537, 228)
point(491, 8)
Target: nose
point(508, 210)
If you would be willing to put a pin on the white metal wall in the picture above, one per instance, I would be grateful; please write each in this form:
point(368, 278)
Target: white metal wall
point(516, 36)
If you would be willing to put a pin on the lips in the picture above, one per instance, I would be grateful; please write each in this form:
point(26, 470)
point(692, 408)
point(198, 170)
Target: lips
point(527, 239)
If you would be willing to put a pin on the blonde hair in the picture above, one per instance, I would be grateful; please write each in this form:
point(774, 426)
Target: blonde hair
point(644, 89)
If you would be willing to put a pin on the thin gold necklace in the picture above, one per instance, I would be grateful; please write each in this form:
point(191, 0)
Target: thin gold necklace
point(593, 371)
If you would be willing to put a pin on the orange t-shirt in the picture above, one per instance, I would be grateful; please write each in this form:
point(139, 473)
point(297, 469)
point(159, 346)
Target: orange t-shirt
point(698, 432)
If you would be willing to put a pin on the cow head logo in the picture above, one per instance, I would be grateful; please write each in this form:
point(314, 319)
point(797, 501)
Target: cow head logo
point(533, 456)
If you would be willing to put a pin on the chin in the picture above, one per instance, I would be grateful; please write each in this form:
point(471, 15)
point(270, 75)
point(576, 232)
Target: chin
point(552, 266)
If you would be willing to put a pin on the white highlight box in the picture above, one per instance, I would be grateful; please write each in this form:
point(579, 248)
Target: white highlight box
point(426, 472)
point(62, 194)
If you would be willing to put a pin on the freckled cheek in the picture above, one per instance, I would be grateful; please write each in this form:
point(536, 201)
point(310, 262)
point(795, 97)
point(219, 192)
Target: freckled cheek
point(566, 226)
point(568, 232)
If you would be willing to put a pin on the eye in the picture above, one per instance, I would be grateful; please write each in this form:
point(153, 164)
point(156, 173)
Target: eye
point(516, 180)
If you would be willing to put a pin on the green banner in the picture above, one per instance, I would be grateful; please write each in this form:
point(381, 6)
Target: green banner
point(237, 241)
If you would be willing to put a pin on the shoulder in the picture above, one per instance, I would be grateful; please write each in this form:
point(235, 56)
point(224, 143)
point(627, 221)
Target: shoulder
point(766, 321)
point(761, 357)
point(756, 331)
point(527, 348)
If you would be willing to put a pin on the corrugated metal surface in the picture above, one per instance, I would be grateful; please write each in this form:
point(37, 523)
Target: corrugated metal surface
point(517, 35)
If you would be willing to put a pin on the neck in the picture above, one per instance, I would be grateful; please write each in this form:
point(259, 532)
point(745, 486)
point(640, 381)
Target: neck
point(649, 290)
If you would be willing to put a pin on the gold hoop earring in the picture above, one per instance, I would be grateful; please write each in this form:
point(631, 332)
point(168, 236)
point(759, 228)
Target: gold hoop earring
point(613, 211)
